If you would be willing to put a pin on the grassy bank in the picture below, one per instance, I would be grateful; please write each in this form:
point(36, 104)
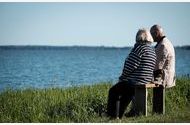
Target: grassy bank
point(85, 104)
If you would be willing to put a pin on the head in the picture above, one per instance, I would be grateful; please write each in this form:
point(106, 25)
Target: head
point(156, 32)
point(143, 36)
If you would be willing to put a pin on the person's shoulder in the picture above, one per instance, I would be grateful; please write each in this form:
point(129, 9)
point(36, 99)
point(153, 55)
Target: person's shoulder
point(148, 48)
point(165, 41)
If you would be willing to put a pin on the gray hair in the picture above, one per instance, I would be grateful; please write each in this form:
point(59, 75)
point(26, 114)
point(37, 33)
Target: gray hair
point(143, 36)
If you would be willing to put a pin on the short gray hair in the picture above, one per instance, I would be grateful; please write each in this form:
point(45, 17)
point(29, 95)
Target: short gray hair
point(143, 36)
point(158, 28)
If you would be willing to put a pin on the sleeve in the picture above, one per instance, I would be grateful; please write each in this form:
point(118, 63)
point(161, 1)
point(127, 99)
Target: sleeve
point(161, 57)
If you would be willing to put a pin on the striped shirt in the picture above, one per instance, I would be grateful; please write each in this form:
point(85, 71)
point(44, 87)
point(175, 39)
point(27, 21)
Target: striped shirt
point(139, 65)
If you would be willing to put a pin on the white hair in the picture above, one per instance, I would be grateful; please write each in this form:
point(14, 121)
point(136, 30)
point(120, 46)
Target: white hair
point(143, 36)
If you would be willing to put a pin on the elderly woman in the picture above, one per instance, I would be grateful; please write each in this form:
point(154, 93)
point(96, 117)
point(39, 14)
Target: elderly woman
point(138, 69)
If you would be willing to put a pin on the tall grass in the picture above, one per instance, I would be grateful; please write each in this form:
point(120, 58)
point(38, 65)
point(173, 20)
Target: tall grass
point(85, 104)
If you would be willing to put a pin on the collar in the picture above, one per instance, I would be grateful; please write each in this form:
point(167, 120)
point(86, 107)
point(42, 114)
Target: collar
point(160, 41)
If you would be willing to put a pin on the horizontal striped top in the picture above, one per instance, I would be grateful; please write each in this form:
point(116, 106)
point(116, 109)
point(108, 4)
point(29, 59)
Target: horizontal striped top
point(139, 65)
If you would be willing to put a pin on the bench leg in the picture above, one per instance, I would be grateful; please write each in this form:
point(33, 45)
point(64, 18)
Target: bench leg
point(141, 100)
point(159, 100)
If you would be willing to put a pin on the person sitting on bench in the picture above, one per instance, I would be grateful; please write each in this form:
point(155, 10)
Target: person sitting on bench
point(138, 69)
point(165, 56)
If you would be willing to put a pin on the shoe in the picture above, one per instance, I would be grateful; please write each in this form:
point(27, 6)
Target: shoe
point(131, 113)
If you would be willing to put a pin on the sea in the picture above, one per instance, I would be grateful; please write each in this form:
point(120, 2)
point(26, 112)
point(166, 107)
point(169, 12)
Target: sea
point(40, 67)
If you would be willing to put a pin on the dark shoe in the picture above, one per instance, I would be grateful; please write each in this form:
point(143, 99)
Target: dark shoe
point(132, 113)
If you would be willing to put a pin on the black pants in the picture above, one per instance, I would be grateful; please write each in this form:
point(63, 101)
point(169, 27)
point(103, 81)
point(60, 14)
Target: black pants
point(122, 92)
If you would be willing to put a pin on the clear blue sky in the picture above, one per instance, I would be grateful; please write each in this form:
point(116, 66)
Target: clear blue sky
point(93, 24)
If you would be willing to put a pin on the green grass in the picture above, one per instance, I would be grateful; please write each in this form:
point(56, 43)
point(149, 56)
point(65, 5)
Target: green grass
point(85, 104)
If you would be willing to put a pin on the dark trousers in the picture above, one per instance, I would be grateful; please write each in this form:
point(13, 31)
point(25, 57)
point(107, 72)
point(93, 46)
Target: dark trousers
point(122, 93)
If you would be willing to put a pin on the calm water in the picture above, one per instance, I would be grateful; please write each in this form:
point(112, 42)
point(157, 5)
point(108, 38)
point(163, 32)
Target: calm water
point(65, 67)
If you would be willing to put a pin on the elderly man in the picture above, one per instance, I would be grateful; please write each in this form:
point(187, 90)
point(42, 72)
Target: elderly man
point(165, 64)
point(138, 69)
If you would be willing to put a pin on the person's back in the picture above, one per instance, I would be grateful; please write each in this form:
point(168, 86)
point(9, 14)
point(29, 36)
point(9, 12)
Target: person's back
point(139, 65)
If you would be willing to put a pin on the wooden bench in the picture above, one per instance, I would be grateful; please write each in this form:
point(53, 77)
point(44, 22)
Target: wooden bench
point(141, 94)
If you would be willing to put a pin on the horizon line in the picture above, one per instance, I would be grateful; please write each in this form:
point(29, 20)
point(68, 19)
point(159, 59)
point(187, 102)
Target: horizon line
point(77, 46)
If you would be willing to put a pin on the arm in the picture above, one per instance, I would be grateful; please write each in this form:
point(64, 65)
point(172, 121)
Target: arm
point(131, 63)
point(161, 54)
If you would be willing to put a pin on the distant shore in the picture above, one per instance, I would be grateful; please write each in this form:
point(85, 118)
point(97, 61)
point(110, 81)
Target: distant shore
point(75, 46)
